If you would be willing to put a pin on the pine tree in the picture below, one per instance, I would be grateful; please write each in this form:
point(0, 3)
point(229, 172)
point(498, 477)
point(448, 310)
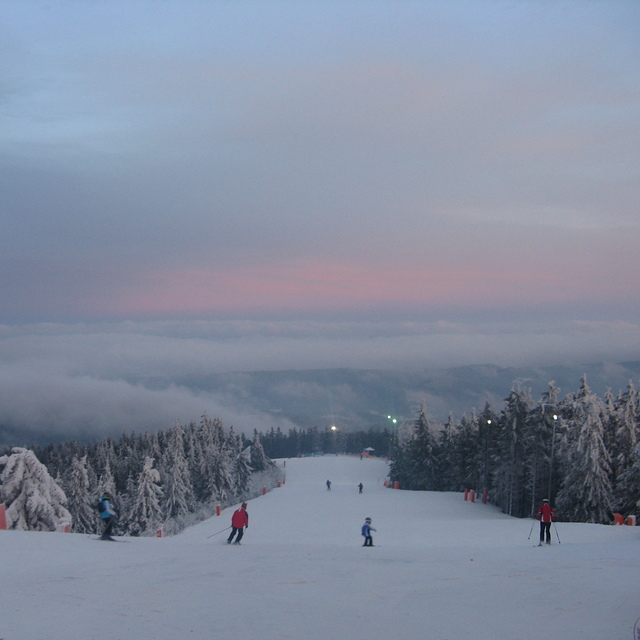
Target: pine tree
point(626, 422)
point(259, 461)
point(586, 491)
point(145, 512)
point(178, 498)
point(241, 469)
point(34, 501)
point(422, 461)
point(445, 462)
point(514, 447)
point(79, 500)
point(399, 469)
point(627, 492)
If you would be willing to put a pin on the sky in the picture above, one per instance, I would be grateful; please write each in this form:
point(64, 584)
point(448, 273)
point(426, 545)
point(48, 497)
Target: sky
point(258, 184)
point(441, 568)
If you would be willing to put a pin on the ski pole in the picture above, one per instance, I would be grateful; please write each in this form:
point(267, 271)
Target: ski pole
point(530, 532)
point(215, 534)
point(556, 530)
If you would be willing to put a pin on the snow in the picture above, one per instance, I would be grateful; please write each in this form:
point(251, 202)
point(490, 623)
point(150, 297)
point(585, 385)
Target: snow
point(443, 569)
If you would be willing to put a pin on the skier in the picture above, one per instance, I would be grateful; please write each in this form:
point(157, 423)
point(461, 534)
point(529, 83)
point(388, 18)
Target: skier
point(107, 514)
point(328, 485)
point(360, 487)
point(546, 516)
point(366, 532)
point(239, 522)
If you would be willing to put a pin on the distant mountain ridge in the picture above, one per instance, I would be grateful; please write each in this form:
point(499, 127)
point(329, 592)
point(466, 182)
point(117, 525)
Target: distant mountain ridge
point(350, 399)
point(359, 399)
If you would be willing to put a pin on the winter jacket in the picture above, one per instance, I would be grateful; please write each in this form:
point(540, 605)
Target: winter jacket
point(367, 529)
point(545, 513)
point(108, 511)
point(240, 518)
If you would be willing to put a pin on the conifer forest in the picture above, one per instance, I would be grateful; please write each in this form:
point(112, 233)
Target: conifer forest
point(580, 451)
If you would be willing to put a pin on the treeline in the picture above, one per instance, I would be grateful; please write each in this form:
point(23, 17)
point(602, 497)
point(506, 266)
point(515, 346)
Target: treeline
point(298, 442)
point(172, 478)
point(581, 452)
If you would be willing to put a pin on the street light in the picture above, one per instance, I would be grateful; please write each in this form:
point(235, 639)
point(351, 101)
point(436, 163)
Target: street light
point(553, 443)
point(485, 489)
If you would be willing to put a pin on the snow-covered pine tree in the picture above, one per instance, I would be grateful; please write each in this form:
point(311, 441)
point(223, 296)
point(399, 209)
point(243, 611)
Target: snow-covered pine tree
point(178, 498)
point(514, 446)
point(145, 511)
point(465, 450)
point(34, 501)
point(106, 482)
point(422, 461)
point(215, 476)
point(445, 462)
point(240, 467)
point(399, 470)
point(259, 461)
point(626, 422)
point(586, 492)
point(627, 491)
point(79, 500)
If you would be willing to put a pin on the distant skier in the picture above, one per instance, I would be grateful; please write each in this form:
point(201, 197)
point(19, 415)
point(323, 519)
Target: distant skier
point(366, 532)
point(328, 485)
point(360, 487)
point(107, 514)
point(239, 522)
point(546, 516)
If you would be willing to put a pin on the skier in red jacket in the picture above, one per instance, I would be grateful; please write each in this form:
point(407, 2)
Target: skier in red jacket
point(239, 521)
point(546, 517)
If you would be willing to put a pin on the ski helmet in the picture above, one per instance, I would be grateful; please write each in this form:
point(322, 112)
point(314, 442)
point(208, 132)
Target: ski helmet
point(546, 500)
point(367, 519)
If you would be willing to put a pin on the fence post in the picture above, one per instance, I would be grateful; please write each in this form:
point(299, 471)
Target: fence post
point(472, 495)
point(3, 517)
point(264, 491)
point(466, 494)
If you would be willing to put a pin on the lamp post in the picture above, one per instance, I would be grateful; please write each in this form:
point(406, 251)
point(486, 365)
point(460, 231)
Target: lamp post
point(553, 444)
point(485, 489)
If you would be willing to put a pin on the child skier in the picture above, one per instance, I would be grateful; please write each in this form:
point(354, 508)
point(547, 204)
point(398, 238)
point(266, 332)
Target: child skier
point(366, 532)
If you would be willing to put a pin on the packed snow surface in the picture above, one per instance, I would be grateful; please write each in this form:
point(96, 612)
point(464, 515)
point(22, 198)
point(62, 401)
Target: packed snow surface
point(442, 569)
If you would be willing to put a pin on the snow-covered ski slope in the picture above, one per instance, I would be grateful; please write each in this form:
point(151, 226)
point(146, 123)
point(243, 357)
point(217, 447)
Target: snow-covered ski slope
point(443, 569)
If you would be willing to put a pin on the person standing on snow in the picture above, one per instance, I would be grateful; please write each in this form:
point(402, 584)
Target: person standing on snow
point(360, 487)
point(366, 532)
point(546, 516)
point(328, 485)
point(107, 514)
point(239, 521)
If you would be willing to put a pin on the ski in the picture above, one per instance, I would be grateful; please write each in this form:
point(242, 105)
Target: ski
point(109, 539)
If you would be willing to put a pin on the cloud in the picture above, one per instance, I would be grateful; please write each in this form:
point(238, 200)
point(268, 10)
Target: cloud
point(91, 381)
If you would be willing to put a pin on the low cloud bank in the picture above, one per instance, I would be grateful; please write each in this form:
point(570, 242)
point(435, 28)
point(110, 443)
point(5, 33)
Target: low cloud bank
point(88, 381)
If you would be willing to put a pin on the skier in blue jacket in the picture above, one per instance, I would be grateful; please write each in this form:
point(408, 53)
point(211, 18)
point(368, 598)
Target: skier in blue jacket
point(366, 532)
point(108, 516)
